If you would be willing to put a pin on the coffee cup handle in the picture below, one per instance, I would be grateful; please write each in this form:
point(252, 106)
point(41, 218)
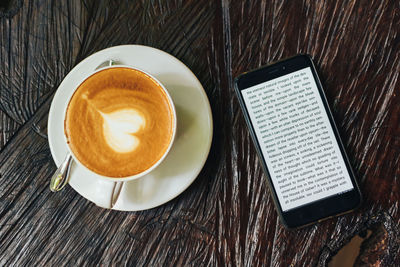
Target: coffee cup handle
point(60, 179)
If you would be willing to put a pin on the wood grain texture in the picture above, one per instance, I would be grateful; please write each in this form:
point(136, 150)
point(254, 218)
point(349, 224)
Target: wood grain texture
point(7, 128)
point(227, 217)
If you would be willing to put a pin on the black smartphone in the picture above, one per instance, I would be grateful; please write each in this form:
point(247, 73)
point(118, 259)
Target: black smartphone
point(297, 141)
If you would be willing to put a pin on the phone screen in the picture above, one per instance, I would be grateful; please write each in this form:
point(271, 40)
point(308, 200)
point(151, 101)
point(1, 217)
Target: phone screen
point(296, 139)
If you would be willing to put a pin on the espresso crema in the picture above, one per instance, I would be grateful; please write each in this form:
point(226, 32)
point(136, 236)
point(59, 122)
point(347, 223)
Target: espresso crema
point(119, 122)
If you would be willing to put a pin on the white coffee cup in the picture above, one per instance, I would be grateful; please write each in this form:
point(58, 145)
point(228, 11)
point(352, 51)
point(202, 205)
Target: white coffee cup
point(132, 177)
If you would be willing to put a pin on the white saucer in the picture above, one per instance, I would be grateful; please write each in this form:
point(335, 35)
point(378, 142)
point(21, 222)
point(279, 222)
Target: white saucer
point(186, 157)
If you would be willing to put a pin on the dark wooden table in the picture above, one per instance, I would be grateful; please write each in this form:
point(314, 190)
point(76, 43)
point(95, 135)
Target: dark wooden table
point(227, 216)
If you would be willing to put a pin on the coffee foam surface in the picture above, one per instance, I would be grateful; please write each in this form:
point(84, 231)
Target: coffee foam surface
point(119, 122)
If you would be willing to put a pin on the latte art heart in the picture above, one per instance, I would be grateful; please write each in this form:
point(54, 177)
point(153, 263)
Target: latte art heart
point(119, 128)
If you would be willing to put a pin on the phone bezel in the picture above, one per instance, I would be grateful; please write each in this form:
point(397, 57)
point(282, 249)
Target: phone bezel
point(320, 209)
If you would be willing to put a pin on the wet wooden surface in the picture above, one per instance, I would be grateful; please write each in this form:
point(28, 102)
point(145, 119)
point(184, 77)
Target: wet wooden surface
point(227, 216)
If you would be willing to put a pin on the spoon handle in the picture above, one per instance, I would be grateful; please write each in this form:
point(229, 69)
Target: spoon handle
point(115, 193)
point(60, 177)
